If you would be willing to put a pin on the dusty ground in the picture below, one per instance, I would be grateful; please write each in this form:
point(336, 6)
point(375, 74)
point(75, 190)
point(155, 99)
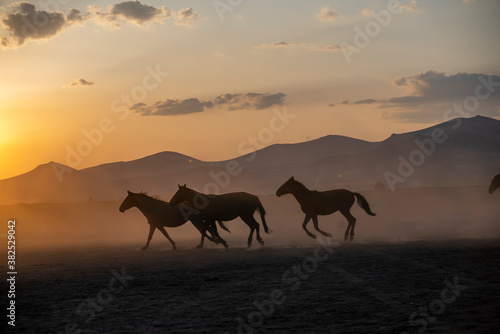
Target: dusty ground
point(431, 287)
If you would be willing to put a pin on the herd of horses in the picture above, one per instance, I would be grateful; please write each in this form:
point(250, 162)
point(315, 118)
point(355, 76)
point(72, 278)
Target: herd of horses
point(205, 211)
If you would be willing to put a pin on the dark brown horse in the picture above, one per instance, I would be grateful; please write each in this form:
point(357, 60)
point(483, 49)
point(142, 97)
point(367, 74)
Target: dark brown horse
point(495, 184)
point(160, 214)
point(224, 207)
point(314, 203)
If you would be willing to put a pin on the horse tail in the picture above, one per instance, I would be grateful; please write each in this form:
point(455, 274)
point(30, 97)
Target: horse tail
point(262, 216)
point(221, 224)
point(364, 204)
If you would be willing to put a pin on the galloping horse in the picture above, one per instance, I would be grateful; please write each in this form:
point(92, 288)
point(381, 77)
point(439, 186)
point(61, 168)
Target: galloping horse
point(160, 213)
point(224, 207)
point(314, 203)
point(495, 184)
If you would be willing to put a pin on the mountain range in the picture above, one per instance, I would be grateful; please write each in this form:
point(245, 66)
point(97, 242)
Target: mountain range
point(459, 152)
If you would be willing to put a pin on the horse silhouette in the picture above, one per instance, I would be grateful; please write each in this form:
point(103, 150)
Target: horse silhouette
point(495, 184)
point(314, 203)
point(160, 213)
point(224, 207)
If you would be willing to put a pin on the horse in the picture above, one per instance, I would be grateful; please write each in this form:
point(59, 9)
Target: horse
point(314, 203)
point(160, 214)
point(495, 184)
point(224, 207)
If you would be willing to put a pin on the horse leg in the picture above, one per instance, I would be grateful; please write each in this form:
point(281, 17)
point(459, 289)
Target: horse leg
point(250, 220)
point(151, 231)
point(251, 225)
point(304, 224)
point(203, 231)
point(162, 230)
point(316, 227)
point(351, 223)
point(202, 241)
point(215, 234)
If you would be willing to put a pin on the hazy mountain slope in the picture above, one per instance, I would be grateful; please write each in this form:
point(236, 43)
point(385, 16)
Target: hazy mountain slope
point(466, 152)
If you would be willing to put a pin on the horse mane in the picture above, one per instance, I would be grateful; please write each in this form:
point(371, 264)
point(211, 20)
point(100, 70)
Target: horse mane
point(301, 185)
point(145, 195)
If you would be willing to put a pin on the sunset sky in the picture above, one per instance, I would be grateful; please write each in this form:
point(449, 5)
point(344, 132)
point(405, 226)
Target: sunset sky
point(200, 77)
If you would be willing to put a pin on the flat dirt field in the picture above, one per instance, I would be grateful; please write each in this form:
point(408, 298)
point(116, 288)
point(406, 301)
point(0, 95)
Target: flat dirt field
point(327, 287)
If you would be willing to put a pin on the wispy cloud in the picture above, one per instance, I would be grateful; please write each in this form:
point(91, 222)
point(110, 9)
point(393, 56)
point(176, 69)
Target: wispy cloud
point(186, 17)
point(80, 82)
point(326, 14)
point(281, 44)
point(304, 46)
point(409, 5)
point(231, 102)
point(172, 107)
point(329, 47)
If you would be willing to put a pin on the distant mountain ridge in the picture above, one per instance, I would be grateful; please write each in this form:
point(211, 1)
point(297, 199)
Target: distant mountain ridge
point(468, 155)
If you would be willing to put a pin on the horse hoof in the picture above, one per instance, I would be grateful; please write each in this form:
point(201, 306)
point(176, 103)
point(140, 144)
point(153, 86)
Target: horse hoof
point(328, 235)
point(198, 246)
point(144, 248)
point(261, 242)
point(226, 246)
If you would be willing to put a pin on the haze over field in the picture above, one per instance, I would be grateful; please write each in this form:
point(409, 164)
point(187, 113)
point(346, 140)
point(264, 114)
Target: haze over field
point(444, 196)
point(103, 97)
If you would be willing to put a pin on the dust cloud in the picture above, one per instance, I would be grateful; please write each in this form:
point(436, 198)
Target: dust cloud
point(402, 215)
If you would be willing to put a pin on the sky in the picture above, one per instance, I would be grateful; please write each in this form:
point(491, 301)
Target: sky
point(89, 82)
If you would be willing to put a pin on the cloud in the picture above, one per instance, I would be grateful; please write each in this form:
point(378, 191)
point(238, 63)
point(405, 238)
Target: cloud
point(76, 17)
point(172, 107)
point(221, 56)
point(24, 22)
point(80, 82)
point(142, 14)
point(230, 102)
point(250, 100)
point(329, 47)
point(432, 93)
point(331, 105)
point(367, 12)
point(281, 44)
point(284, 45)
point(435, 95)
point(365, 101)
point(326, 14)
point(130, 11)
point(186, 16)
point(432, 86)
point(409, 5)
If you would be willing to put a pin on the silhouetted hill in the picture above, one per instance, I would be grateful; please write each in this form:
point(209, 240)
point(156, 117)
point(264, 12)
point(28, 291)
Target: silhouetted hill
point(467, 152)
point(285, 154)
point(159, 163)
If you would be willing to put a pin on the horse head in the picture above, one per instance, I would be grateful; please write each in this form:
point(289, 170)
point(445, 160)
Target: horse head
point(495, 184)
point(286, 188)
point(128, 202)
point(183, 194)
